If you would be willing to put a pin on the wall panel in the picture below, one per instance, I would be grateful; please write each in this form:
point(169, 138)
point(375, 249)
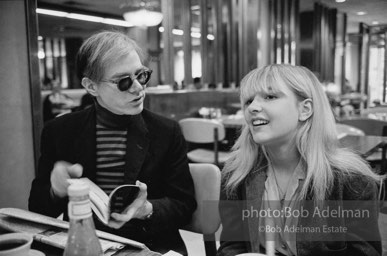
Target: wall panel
point(19, 91)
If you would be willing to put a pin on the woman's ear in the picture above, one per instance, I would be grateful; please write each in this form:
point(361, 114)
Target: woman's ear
point(90, 86)
point(305, 109)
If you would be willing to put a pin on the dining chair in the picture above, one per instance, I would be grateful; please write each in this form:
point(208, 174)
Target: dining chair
point(379, 157)
point(345, 129)
point(367, 125)
point(203, 131)
point(206, 219)
point(376, 128)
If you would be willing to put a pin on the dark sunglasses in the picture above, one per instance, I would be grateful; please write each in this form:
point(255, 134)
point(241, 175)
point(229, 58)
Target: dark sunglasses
point(126, 82)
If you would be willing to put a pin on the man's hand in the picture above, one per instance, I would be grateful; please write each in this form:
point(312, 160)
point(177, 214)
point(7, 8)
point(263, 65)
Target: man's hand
point(60, 174)
point(139, 209)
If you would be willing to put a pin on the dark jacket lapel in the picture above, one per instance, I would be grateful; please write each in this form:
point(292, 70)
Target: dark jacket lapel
point(85, 143)
point(137, 148)
point(255, 186)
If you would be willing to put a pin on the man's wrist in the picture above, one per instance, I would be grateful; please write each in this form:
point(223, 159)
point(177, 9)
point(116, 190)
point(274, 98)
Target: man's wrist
point(53, 196)
point(148, 210)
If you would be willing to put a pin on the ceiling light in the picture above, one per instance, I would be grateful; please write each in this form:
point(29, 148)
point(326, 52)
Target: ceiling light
point(196, 34)
point(195, 7)
point(41, 55)
point(51, 12)
point(361, 13)
point(115, 22)
point(340, 1)
point(178, 32)
point(144, 16)
point(77, 16)
point(90, 18)
point(210, 37)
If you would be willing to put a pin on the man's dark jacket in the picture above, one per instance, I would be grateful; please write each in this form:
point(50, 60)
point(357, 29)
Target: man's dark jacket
point(156, 155)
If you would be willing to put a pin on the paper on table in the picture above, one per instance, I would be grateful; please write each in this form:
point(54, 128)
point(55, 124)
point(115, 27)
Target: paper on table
point(58, 238)
point(172, 253)
point(35, 218)
point(46, 234)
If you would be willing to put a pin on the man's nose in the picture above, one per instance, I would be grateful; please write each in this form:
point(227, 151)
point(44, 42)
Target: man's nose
point(136, 87)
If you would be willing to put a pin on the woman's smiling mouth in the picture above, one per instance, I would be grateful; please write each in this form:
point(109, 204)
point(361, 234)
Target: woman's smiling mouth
point(259, 122)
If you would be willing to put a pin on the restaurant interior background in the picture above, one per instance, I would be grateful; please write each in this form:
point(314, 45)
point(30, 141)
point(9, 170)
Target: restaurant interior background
point(216, 40)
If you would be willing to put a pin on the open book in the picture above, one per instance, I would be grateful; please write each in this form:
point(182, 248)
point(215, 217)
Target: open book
point(103, 205)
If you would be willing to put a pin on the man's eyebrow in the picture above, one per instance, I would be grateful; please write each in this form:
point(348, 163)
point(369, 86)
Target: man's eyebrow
point(122, 74)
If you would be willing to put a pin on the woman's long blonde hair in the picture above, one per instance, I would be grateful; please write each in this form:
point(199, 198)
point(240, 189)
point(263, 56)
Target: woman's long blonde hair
point(316, 139)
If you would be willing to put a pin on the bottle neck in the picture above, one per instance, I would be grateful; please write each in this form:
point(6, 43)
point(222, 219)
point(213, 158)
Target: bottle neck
point(79, 208)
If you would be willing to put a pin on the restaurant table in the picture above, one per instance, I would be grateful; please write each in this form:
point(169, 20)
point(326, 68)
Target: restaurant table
point(127, 251)
point(49, 250)
point(363, 145)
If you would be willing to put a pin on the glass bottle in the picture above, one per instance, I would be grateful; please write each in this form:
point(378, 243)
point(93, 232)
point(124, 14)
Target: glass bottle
point(82, 239)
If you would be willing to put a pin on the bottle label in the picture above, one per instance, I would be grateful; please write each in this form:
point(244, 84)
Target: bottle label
point(79, 209)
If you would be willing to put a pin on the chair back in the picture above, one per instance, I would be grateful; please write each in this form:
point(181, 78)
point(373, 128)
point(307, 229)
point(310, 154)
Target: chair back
point(200, 130)
point(206, 178)
point(367, 125)
point(348, 130)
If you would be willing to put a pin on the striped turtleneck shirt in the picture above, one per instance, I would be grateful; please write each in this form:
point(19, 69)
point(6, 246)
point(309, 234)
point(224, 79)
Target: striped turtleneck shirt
point(111, 136)
point(111, 151)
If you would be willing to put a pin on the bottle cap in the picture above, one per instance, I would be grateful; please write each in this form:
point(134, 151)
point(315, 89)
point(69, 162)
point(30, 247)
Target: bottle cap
point(78, 188)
